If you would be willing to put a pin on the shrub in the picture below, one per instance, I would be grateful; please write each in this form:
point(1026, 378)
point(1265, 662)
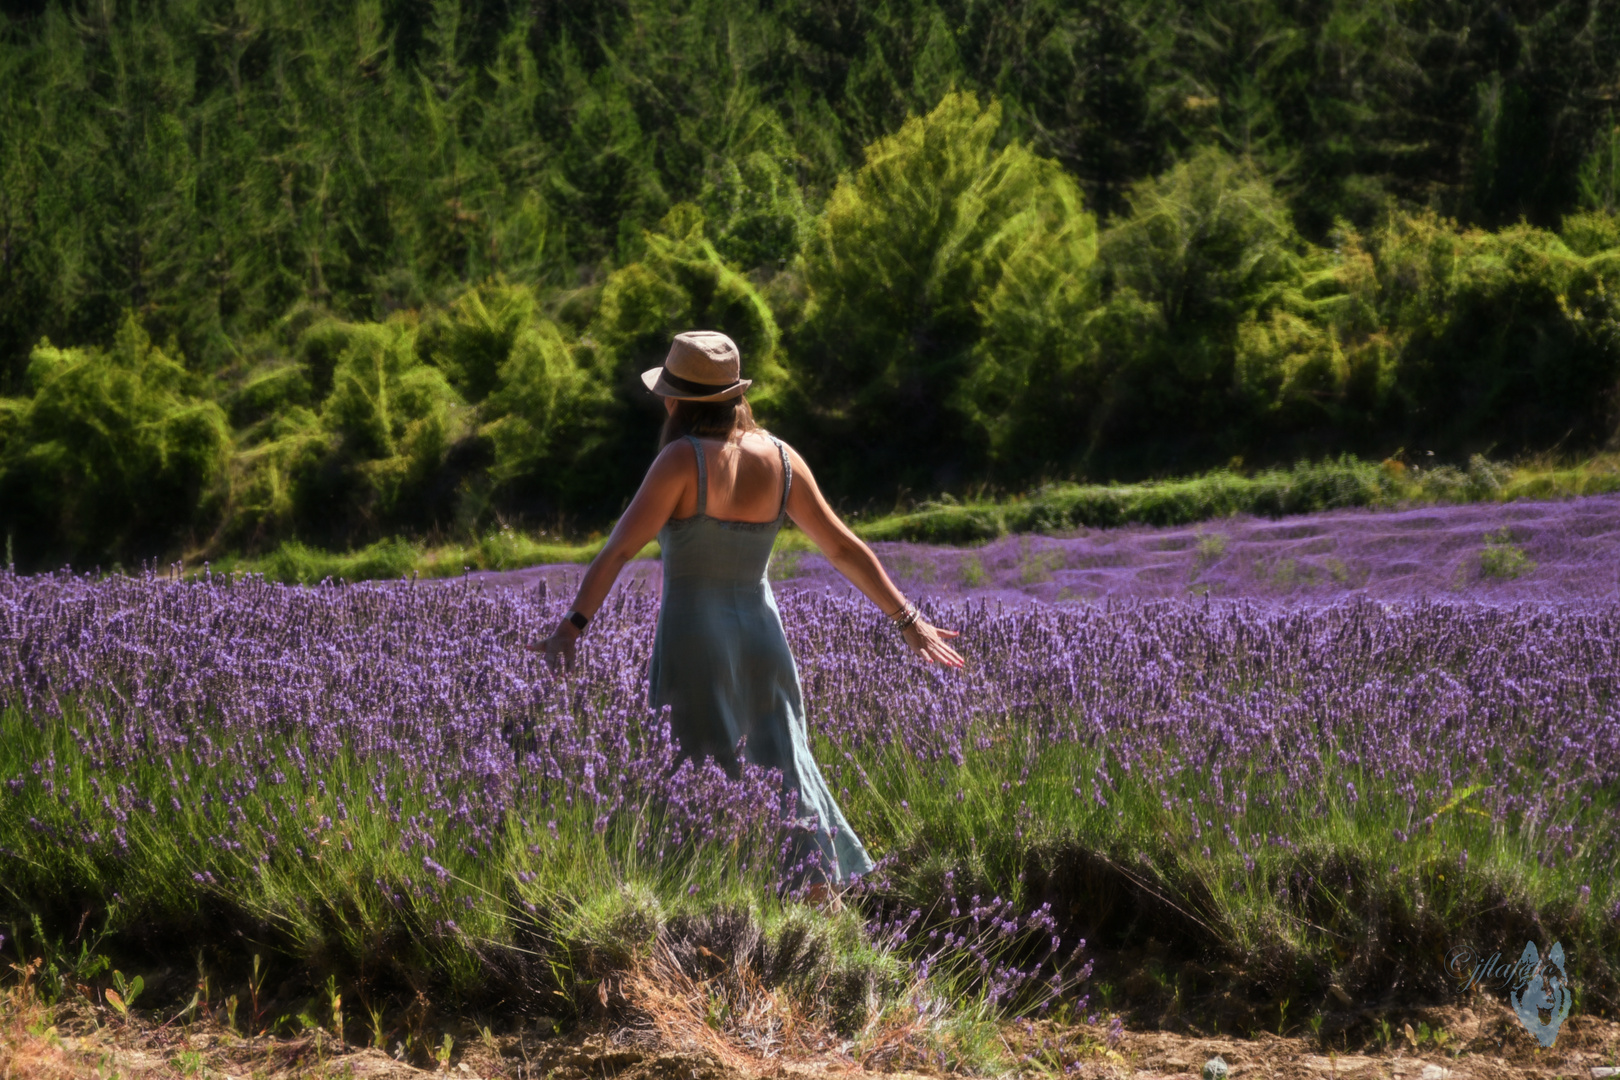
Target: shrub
point(1204, 321)
point(269, 467)
point(547, 418)
point(1506, 340)
point(543, 401)
point(114, 455)
point(1598, 178)
point(1502, 559)
point(940, 525)
point(1306, 487)
point(269, 392)
point(374, 454)
point(294, 563)
point(941, 280)
point(1591, 233)
point(393, 417)
point(385, 400)
point(474, 336)
point(756, 210)
point(682, 283)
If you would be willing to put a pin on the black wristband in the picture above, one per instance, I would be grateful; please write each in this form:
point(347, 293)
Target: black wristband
point(578, 620)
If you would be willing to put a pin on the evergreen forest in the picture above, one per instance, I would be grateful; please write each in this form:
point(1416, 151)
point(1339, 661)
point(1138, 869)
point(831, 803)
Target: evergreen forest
point(329, 272)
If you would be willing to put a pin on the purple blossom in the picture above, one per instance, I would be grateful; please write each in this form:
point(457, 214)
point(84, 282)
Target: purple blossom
point(257, 692)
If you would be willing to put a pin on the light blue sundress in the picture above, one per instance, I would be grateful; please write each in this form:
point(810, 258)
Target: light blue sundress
point(721, 663)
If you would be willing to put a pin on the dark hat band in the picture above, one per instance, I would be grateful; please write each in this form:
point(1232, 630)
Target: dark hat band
point(687, 386)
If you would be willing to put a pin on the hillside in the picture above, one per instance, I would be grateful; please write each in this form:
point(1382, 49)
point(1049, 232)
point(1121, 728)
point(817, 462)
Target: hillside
point(275, 272)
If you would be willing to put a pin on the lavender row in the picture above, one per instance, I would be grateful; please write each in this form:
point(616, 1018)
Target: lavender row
point(255, 731)
point(435, 681)
point(1520, 552)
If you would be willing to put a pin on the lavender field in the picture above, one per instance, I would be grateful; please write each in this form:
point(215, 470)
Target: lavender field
point(1227, 789)
point(1565, 551)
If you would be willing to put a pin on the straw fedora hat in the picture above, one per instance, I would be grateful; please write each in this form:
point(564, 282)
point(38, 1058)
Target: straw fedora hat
point(702, 365)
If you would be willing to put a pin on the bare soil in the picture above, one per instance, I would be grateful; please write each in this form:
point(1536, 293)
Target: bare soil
point(1487, 1044)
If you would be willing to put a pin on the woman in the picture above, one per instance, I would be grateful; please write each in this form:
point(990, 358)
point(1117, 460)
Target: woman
point(715, 497)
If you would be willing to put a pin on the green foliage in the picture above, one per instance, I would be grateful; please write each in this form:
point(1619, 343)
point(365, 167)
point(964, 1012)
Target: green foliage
point(680, 282)
point(505, 211)
point(392, 418)
point(385, 401)
point(1502, 558)
point(545, 400)
point(274, 460)
point(114, 452)
point(1305, 488)
point(755, 206)
point(1506, 340)
point(1599, 175)
point(1311, 363)
point(211, 166)
point(935, 277)
point(297, 564)
point(372, 451)
point(471, 340)
point(1591, 233)
point(941, 525)
point(1205, 318)
point(1204, 242)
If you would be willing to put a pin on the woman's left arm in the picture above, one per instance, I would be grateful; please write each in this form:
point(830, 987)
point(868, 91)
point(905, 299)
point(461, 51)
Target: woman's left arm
point(851, 557)
point(653, 505)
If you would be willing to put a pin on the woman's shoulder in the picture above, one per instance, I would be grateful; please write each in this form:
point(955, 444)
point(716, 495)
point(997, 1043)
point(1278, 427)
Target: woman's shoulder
point(776, 441)
point(770, 438)
point(675, 457)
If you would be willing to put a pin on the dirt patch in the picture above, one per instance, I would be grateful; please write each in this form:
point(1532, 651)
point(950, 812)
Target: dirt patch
point(1488, 1044)
point(133, 1052)
point(1479, 1045)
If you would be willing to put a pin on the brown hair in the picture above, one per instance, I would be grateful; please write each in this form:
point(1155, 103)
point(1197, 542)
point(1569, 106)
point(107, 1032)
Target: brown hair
point(707, 419)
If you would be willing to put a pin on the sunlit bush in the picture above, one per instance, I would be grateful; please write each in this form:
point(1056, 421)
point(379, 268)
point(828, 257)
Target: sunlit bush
point(943, 272)
point(1508, 341)
point(755, 211)
point(681, 283)
point(1591, 233)
point(547, 418)
point(1204, 318)
point(114, 454)
point(366, 453)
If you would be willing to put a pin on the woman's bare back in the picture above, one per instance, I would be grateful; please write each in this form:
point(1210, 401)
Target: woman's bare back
point(745, 478)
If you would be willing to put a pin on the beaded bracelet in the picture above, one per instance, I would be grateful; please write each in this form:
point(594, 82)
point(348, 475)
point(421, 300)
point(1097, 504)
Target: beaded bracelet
point(905, 617)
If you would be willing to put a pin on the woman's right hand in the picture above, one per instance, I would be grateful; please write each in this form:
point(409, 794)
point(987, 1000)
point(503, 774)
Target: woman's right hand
point(559, 647)
point(929, 642)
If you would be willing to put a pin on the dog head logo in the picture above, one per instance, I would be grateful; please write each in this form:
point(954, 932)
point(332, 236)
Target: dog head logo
point(1546, 989)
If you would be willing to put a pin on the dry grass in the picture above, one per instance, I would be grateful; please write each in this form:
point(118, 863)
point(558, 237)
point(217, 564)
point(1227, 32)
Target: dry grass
point(671, 1025)
point(29, 1045)
point(733, 1017)
point(736, 1018)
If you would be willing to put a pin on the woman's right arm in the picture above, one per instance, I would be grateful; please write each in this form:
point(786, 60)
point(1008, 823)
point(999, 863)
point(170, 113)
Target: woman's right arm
point(851, 557)
point(654, 504)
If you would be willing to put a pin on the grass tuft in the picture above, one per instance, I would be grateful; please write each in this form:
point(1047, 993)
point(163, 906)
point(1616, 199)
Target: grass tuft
point(1502, 558)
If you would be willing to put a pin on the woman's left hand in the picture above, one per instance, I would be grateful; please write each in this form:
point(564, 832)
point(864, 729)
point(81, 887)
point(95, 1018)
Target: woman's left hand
point(929, 641)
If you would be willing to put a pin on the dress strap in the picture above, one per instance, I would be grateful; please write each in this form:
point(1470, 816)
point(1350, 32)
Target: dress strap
point(703, 476)
point(787, 474)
